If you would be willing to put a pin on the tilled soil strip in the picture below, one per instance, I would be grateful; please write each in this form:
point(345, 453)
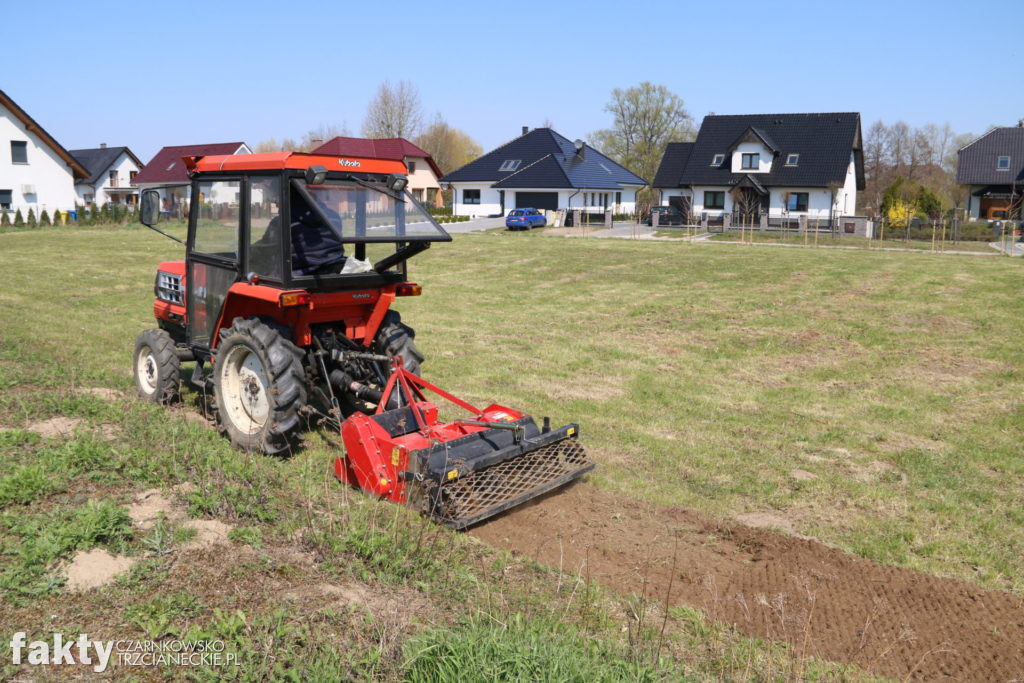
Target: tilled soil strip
point(826, 603)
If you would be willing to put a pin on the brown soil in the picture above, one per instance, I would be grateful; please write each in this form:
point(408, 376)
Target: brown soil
point(828, 604)
point(56, 426)
point(95, 568)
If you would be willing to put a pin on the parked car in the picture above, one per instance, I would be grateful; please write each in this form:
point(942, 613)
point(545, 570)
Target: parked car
point(667, 215)
point(524, 219)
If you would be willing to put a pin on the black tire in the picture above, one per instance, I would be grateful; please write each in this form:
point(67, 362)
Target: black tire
point(395, 338)
point(157, 368)
point(259, 387)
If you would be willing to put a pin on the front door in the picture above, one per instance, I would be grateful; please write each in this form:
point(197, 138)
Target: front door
point(213, 253)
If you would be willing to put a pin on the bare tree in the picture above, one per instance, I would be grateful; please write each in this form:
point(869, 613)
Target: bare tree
point(312, 139)
point(450, 147)
point(394, 112)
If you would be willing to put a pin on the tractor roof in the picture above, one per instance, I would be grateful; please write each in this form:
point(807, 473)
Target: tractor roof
point(275, 161)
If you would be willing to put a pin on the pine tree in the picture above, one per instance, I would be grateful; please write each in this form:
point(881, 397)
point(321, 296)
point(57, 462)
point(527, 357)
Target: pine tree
point(5, 220)
point(104, 214)
point(19, 220)
point(31, 220)
point(79, 213)
point(44, 218)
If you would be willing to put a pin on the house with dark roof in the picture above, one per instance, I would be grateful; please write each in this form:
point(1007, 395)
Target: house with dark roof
point(992, 168)
point(423, 172)
point(544, 170)
point(111, 171)
point(773, 165)
point(167, 174)
point(36, 172)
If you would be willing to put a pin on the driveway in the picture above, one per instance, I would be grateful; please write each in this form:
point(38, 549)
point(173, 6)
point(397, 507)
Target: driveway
point(474, 225)
point(1012, 248)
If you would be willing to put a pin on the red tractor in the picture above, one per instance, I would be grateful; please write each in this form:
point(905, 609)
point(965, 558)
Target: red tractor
point(283, 302)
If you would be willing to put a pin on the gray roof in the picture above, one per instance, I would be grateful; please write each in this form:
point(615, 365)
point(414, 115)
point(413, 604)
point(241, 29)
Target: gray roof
point(672, 164)
point(976, 163)
point(823, 141)
point(98, 160)
point(546, 160)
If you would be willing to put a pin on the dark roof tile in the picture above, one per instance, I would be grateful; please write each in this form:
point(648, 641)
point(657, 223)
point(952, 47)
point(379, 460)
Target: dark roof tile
point(672, 164)
point(98, 159)
point(976, 164)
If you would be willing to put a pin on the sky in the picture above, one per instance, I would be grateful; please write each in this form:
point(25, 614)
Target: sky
point(149, 74)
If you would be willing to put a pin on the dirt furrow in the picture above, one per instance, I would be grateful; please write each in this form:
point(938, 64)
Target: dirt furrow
point(827, 603)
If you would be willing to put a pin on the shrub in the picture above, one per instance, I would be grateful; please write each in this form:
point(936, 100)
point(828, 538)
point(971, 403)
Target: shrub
point(79, 213)
point(31, 220)
point(5, 220)
point(976, 231)
point(19, 220)
point(44, 218)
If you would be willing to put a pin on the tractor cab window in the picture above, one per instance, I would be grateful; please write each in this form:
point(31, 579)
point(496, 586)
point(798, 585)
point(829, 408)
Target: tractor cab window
point(316, 246)
point(357, 213)
point(217, 223)
point(265, 231)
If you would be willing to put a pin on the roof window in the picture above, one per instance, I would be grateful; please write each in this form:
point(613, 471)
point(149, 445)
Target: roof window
point(792, 159)
point(1003, 164)
point(171, 165)
point(718, 159)
point(510, 164)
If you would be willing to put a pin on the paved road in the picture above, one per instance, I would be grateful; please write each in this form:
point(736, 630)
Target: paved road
point(1013, 248)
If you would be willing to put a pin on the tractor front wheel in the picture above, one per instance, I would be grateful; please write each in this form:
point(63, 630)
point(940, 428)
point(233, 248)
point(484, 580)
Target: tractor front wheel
point(157, 368)
point(259, 387)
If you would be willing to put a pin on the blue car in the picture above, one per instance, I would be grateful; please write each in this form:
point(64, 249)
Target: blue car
point(524, 219)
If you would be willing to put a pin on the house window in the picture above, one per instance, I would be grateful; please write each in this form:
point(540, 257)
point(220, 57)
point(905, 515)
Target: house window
point(131, 176)
point(751, 160)
point(714, 200)
point(797, 201)
point(19, 151)
point(1003, 164)
point(88, 199)
point(113, 178)
point(510, 164)
point(718, 159)
point(411, 165)
point(5, 199)
point(471, 196)
point(618, 197)
point(792, 159)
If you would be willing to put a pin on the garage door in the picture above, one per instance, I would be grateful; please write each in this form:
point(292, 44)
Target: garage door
point(537, 200)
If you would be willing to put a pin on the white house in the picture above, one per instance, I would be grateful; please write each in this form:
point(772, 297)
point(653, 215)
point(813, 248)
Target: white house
point(422, 171)
point(166, 171)
point(773, 165)
point(542, 170)
point(35, 171)
point(111, 170)
point(992, 169)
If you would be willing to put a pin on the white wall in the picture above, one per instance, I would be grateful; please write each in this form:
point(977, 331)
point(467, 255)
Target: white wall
point(124, 165)
point(586, 200)
point(764, 162)
point(666, 195)
point(50, 175)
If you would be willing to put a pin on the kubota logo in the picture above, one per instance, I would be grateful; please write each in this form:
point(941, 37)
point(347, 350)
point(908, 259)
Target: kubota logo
point(349, 162)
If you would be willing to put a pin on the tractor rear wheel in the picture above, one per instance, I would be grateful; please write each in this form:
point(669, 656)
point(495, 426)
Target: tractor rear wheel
point(395, 338)
point(259, 387)
point(157, 368)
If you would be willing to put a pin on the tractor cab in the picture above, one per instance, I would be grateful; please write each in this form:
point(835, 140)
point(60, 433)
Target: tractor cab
point(286, 221)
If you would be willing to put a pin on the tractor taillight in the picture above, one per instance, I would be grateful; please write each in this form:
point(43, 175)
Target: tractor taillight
point(295, 299)
point(408, 289)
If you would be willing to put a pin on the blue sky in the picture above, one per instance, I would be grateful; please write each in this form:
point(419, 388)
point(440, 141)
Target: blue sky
point(149, 74)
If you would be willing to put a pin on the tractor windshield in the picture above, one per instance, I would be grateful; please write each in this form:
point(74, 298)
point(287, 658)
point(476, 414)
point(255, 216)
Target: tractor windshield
point(358, 213)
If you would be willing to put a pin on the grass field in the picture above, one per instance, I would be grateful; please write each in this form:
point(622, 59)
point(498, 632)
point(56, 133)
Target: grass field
point(870, 400)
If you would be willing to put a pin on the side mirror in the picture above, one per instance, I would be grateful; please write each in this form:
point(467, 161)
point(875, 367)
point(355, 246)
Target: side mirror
point(149, 208)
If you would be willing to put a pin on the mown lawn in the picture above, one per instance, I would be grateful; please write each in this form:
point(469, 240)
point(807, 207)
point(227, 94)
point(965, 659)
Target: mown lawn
point(869, 399)
point(849, 241)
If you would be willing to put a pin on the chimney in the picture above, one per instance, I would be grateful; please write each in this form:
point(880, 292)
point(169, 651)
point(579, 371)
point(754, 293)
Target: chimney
point(526, 129)
point(103, 145)
point(1020, 123)
point(580, 149)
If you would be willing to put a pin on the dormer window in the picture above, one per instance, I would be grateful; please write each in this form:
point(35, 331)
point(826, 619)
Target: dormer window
point(510, 164)
point(792, 159)
point(1003, 164)
point(751, 161)
point(718, 159)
